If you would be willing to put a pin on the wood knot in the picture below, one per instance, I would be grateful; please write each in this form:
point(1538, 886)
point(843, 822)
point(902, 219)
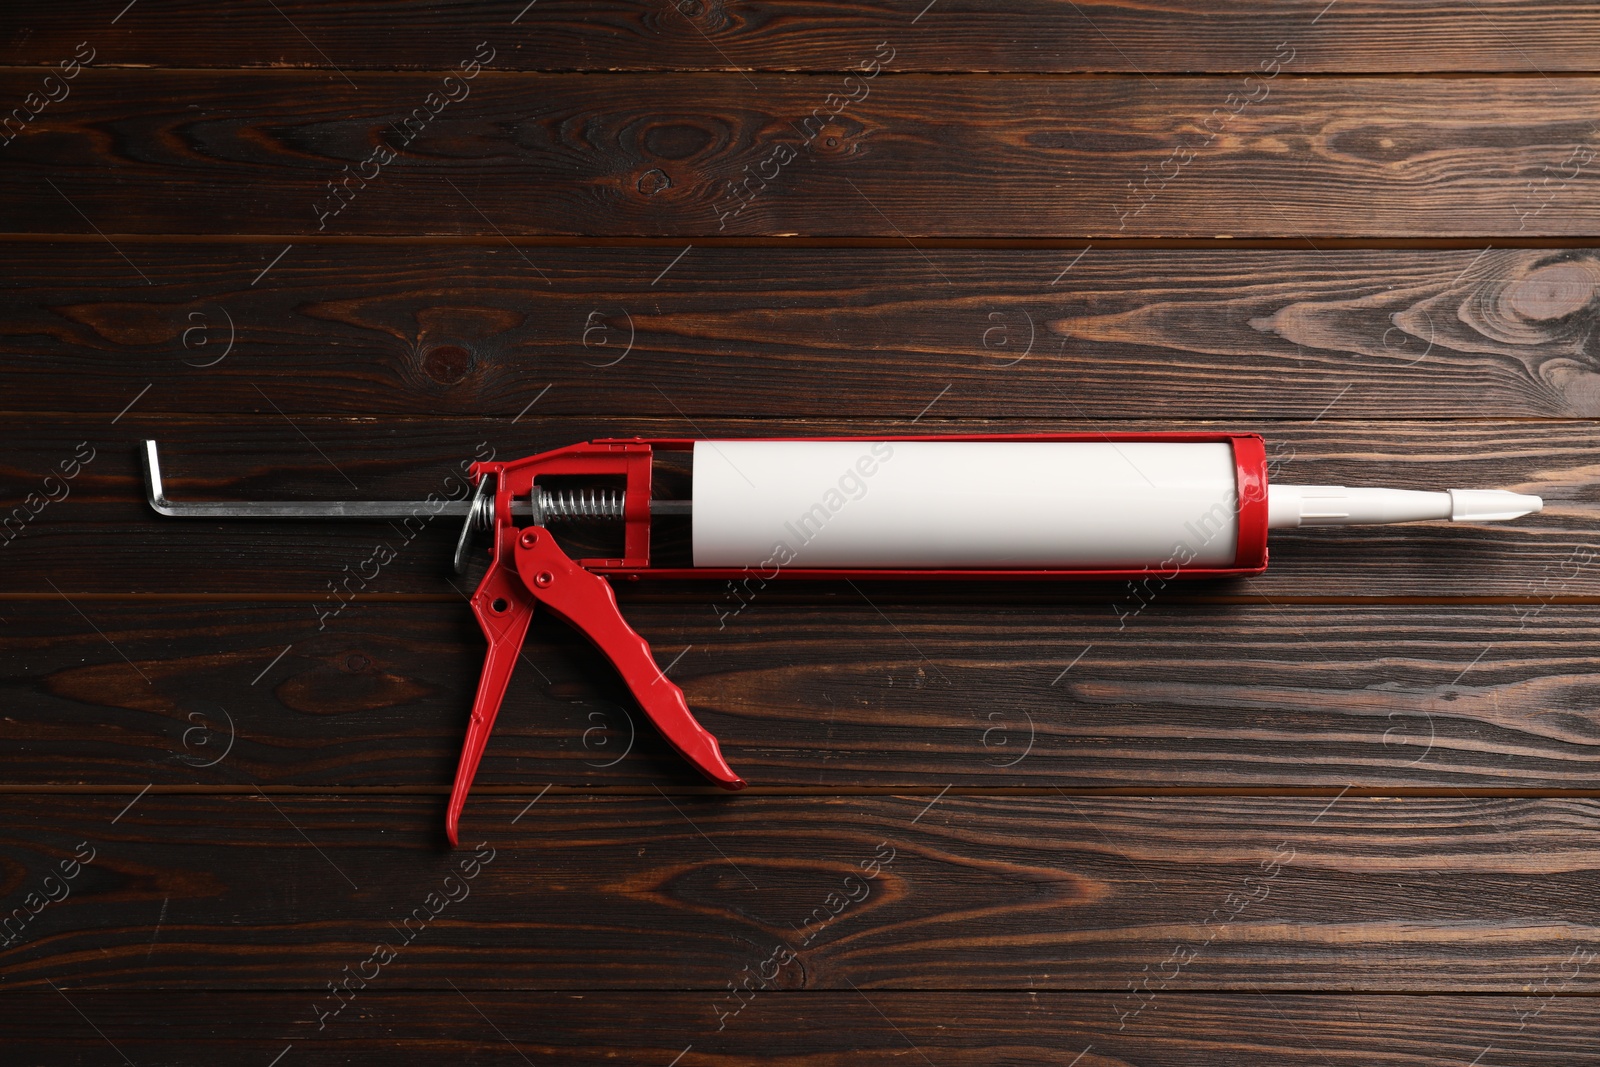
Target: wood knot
point(1554, 291)
point(447, 364)
point(839, 136)
point(654, 181)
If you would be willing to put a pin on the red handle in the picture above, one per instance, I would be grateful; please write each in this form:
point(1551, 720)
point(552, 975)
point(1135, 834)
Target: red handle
point(504, 607)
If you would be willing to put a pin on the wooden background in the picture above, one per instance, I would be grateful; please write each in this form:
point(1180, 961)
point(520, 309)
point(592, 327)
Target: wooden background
point(1343, 813)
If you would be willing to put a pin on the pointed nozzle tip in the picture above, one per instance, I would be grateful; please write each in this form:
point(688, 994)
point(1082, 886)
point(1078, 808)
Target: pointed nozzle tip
point(1491, 505)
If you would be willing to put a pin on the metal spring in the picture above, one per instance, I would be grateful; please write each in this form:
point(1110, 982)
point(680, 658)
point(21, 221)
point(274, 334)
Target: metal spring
point(579, 504)
point(480, 511)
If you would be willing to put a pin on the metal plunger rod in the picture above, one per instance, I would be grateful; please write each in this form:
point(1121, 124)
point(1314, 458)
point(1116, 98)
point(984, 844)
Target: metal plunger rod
point(340, 509)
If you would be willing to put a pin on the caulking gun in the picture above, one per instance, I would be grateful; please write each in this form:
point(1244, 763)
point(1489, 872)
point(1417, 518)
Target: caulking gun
point(990, 506)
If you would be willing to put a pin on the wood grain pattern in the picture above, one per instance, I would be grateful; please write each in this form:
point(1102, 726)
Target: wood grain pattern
point(762, 332)
point(104, 539)
point(996, 694)
point(1017, 35)
point(819, 1029)
point(969, 892)
point(636, 155)
point(1341, 813)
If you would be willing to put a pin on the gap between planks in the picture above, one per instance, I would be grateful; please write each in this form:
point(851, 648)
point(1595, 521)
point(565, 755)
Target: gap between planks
point(712, 240)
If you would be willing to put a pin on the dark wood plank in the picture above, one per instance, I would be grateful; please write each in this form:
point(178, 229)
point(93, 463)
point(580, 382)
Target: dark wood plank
point(965, 893)
point(813, 689)
point(1018, 35)
point(471, 329)
point(633, 155)
point(102, 538)
point(818, 1029)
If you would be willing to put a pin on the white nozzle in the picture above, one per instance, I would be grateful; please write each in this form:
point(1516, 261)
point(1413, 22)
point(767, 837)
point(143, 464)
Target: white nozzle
point(1289, 506)
point(1491, 505)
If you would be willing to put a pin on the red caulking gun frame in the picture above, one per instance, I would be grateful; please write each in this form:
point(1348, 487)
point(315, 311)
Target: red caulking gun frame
point(1019, 506)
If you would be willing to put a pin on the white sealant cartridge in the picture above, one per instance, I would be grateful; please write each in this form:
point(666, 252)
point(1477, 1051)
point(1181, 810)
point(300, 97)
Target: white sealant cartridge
point(1096, 505)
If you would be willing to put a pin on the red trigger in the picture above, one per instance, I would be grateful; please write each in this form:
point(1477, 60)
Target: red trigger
point(504, 609)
